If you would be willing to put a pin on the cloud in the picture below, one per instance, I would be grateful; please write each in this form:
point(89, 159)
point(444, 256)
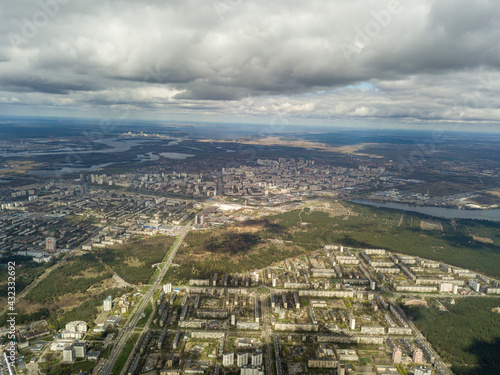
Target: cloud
point(420, 60)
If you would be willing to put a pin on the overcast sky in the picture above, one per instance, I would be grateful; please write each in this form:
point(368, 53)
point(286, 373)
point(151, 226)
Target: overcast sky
point(342, 61)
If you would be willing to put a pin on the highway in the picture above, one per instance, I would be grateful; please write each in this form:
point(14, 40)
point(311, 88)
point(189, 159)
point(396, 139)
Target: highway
point(136, 344)
point(267, 334)
point(131, 322)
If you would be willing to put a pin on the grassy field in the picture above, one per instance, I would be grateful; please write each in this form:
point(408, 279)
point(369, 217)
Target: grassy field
point(77, 276)
point(133, 260)
point(371, 227)
point(71, 368)
point(468, 335)
point(237, 249)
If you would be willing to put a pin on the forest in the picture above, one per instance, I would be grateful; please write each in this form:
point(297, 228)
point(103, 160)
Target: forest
point(467, 335)
point(76, 276)
point(25, 274)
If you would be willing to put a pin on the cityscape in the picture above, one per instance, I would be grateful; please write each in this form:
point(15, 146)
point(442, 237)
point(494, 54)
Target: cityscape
point(238, 187)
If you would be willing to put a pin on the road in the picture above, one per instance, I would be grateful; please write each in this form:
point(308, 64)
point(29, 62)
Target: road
point(267, 333)
point(136, 344)
point(131, 322)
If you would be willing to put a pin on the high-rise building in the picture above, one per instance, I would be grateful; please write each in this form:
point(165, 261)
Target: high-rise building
point(241, 359)
point(200, 218)
point(257, 358)
point(476, 286)
point(167, 288)
point(418, 355)
point(50, 244)
point(396, 355)
point(108, 304)
point(352, 322)
point(228, 359)
point(341, 368)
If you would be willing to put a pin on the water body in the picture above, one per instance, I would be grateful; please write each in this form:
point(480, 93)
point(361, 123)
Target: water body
point(442, 212)
point(151, 156)
point(116, 144)
point(176, 155)
point(60, 172)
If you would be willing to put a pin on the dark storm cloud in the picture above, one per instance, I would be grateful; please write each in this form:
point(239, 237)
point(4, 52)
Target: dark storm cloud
point(43, 84)
point(419, 59)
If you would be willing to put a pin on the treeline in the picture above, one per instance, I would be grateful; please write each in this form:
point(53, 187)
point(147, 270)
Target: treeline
point(23, 318)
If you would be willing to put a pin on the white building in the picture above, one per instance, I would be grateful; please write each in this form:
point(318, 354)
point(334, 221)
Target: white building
point(68, 354)
point(108, 304)
point(448, 288)
point(423, 371)
point(228, 359)
point(80, 349)
point(352, 322)
point(257, 358)
point(475, 285)
point(167, 288)
point(241, 359)
point(252, 370)
point(74, 330)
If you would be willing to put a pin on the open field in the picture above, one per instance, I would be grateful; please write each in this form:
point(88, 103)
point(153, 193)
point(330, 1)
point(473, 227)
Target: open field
point(133, 260)
point(239, 249)
point(468, 335)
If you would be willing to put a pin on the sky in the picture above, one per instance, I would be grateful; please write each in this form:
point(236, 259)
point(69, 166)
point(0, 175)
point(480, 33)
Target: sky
point(340, 62)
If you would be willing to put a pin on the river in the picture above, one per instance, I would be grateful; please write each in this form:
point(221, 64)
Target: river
point(442, 212)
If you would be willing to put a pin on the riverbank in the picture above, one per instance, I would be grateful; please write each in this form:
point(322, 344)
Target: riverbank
point(435, 211)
